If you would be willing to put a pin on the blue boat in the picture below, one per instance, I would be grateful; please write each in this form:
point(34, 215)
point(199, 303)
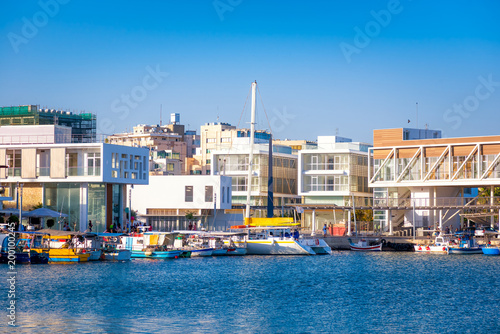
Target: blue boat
point(491, 250)
point(467, 243)
point(152, 253)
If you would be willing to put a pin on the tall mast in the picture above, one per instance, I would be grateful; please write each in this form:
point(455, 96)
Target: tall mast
point(250, 157)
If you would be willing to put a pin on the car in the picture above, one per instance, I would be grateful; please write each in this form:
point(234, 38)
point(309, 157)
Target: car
point(482, 231)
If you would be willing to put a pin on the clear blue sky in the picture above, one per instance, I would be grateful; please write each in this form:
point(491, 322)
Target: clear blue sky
point(320, 66)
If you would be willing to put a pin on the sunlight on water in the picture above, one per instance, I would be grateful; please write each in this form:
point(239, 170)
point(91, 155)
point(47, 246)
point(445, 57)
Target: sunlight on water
point(344, 293)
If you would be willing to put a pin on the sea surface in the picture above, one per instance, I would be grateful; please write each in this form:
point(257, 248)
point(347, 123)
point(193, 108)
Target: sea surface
point(347, 292)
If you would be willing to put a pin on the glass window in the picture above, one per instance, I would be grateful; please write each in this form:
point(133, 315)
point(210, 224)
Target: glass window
point(209, 192)
point(188, 195)
point(228, 194)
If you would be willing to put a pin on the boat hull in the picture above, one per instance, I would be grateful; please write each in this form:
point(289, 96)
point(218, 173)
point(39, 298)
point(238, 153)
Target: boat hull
point(430, 249)
point(64, 255)
point(276, 247)
point(376, 248)
point(491, 250)
point(173, 254)
point(120, 255)
point(201, 252)
point(236, 251)
point(95, 255)
point(219, 252)
point(459, 250)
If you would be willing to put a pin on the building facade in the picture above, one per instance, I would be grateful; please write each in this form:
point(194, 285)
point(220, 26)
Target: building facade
point(332, 174)
point(205, 197)
point(437, 176)
point(86, 181)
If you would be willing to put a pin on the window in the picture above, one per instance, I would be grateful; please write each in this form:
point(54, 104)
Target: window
point(208, 151)
point(208, 171)
point(211, 140)
point(170, 167)
point(208, 161)
point(188, 195)
point(209, 194)
point(225, 140)
point(228, 194)
point(222, 199)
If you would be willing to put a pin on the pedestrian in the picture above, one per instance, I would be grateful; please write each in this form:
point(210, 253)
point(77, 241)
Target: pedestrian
point(90, 225)
point(324, 231)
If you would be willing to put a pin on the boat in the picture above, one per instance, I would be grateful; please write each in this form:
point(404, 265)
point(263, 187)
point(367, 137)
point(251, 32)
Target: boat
point(112, 247)
point(490, 250)
point(223, 243)
point(466, 243)
point(279, 240)
point(62, 246)
point(193, 242)
point(21, 253)
point(440, 245)
point(365, 246)
point(152, 245)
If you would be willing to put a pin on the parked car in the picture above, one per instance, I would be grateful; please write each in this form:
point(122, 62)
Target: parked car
point(482, 231)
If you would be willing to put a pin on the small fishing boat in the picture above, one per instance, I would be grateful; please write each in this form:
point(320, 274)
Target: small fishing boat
point(223, 243)
point(62, 246)
point(441, 244)
point(466, 243)
point(152, 245)
point(112, 247)
point(490, 250)
point(194, 242)
point(22, 252)
point(365, 246)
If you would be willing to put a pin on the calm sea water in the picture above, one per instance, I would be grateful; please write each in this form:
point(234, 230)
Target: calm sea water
point(344, 293)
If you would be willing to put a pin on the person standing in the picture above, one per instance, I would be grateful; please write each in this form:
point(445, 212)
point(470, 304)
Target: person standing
point(90, 225)
point(324, 231)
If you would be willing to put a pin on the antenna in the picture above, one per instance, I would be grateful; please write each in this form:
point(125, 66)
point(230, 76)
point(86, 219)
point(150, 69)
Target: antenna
point(417, 115)
point(336, 131)
point(160, 113)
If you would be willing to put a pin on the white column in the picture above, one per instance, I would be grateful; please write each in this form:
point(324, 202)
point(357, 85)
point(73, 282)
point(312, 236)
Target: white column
point(492, 218)
point(313, 223)
point(349, 222)
point(389, 213)
point(441, 220)
point(84, 207)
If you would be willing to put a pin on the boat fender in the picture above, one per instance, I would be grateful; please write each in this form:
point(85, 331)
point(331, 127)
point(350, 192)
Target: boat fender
point(444, 249)
point(383, 242)
point(419, 248)
point(427, 248)
point(317, 242)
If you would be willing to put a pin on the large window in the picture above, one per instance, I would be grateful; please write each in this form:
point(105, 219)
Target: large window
point(209, 193)
point(188, 195)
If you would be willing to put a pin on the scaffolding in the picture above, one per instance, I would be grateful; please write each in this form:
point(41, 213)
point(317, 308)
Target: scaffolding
point(83, 125)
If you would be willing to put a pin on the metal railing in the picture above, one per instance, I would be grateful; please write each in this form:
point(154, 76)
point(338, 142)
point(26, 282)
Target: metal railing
point(423, 202)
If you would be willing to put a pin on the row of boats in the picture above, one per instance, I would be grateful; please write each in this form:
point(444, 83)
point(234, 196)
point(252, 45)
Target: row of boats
point(463, 242)
point(52, 246)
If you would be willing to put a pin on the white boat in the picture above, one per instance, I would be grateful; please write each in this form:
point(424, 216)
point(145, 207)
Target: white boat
point(278, 240)
point(151, 245)
point(117, 255)
point(194, 242)
point(224, 243)
point(364, 246)
point(441, 244)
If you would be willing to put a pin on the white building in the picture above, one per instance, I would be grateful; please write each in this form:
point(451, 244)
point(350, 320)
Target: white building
point(85, 181)
point(332, 174)
point(166, 201)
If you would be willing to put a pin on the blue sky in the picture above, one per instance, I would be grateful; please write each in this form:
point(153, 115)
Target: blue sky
point(322, 66)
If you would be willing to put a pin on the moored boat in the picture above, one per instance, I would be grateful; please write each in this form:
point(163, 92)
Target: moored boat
point(365, 246)
point(489, 250)
point(466, 243)
point(152, 245)
point(62, 246)
point(112, 247)
point(440, 245)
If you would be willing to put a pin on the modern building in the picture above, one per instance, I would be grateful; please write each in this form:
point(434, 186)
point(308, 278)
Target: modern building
point(83, 125)
point(205, 197)
point(221, 136)
point(296, 145)
point(86, 181)
point(234, 162)
point(421, 180)
point(333, 173)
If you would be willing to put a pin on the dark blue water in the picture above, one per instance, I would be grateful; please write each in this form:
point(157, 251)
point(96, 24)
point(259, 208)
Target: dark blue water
point(344, 293)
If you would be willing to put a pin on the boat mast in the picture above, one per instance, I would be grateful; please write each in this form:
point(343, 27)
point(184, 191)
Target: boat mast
point(250, 157)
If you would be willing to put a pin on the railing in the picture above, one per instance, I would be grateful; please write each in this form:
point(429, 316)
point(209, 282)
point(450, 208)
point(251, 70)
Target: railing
point(81, 171)
point(328, 166)
point(423, 202)
point(51, 139)
point(326, 187)
point(14, 171)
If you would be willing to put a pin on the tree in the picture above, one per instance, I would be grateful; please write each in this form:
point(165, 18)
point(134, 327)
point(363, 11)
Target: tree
point(38, 206)
point(50, 223)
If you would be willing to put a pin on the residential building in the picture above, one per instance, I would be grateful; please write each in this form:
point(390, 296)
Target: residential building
point(234, 162)
point(205, 197)
point(423, 180)
point(221, 136)
point(169, 138)
point(86, 181)
point(333, 173)
point(83, 125)
point(296, 145)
